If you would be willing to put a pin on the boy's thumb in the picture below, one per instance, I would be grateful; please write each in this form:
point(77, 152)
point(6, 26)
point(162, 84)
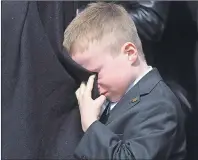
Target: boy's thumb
point(100, 100)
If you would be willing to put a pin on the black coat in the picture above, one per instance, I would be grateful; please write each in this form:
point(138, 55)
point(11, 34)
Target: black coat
point(193, 127)
point(38, 92)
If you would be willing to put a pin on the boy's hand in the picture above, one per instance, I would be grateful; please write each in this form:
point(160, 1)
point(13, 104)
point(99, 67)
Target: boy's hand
point(89, 108)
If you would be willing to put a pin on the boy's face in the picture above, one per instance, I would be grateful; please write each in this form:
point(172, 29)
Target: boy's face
point(114, 72)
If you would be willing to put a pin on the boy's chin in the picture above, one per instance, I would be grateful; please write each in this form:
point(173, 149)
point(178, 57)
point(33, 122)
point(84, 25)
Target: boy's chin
point(112, 98)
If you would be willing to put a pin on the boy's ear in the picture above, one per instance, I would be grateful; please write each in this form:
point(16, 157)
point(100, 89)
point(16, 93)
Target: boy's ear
point(130, 50)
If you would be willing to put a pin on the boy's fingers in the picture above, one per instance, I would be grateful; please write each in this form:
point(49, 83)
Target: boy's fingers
point(100, 100)
point(82, 88)
point(77, 93)
point(90, 85)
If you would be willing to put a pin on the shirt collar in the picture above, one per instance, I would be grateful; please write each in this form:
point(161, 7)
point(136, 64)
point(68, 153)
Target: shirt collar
point(139, 78)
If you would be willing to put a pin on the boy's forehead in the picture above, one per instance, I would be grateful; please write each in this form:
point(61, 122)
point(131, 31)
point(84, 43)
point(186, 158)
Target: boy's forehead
point(86, 54)
point(88, 60)
point(79, 58)
point(82, 58)
point(77, 49)
point(90, 55)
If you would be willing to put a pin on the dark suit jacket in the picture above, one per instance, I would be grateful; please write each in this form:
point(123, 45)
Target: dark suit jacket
point(147, 123)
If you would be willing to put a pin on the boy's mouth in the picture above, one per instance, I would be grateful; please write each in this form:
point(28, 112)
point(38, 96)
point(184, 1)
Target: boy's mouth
point(103, 93)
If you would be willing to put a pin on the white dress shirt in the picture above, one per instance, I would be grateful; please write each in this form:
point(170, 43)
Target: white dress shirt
point(132, 84)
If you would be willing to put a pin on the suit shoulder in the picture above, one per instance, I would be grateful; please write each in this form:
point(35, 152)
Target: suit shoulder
point(163, 91)
point(165, 98)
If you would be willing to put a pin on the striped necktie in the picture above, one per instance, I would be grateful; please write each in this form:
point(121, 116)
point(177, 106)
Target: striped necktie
point(105, 115)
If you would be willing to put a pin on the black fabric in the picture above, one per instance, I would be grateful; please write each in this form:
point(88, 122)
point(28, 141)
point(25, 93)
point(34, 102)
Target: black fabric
point(177, 60)
point(39, 117)
point(192, 125)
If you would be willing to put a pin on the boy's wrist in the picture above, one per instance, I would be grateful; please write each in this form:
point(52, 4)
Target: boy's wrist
point(88, 123)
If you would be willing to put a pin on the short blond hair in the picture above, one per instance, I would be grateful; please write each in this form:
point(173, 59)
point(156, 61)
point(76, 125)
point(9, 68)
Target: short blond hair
point(101, 20)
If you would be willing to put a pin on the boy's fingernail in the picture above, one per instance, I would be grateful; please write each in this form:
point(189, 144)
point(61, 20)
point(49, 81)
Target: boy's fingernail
point(93, 76)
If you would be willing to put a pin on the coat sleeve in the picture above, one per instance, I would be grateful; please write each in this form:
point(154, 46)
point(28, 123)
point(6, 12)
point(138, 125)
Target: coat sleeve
point(149, 135)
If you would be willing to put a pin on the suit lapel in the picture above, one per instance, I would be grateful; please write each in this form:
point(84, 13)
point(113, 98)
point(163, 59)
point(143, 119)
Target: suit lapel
point(132, 97)
point(129, 100)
